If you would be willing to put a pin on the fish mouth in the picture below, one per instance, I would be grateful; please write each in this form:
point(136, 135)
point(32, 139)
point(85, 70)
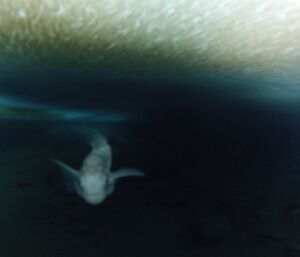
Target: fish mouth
point(94, 199)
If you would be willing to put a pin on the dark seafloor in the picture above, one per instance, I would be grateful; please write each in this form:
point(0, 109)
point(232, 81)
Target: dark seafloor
point(222, 173)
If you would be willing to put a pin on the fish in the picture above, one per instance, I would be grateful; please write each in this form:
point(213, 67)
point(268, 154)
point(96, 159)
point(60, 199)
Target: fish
point(94, 182)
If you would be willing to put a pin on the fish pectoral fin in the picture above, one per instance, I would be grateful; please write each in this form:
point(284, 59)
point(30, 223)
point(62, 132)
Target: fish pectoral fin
point(125, 172)
point(71, 176)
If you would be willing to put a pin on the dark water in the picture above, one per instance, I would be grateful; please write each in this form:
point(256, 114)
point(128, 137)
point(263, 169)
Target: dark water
point(222, 172)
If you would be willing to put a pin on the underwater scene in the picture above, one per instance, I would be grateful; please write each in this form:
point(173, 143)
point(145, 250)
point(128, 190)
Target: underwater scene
point(212, 175)
point(138, 128)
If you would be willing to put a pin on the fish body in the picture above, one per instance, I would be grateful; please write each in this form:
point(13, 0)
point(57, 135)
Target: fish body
point(94, 181)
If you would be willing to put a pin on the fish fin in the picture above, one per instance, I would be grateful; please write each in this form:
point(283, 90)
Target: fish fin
point(70, 175)
point(97, 140)
point(125, 172)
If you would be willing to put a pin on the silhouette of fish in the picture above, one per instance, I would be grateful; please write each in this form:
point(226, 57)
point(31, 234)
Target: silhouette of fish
point(94, 182)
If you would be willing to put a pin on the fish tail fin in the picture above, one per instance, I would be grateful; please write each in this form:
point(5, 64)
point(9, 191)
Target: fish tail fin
point(97, 140)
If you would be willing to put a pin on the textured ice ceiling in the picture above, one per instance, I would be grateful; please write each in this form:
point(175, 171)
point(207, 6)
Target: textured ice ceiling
point(252, 45)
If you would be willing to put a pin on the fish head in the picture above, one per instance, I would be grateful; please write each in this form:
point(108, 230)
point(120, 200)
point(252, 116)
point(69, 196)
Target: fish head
point(93, 188)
